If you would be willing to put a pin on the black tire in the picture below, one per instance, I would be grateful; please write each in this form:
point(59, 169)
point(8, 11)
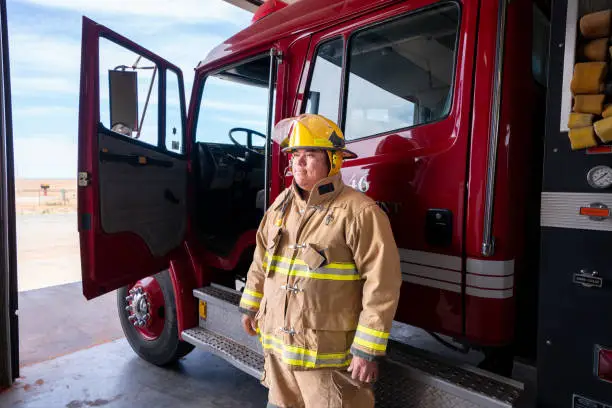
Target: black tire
point(167, 348)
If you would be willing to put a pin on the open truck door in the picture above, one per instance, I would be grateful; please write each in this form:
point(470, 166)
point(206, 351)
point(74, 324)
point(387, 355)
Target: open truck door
point(132, 163)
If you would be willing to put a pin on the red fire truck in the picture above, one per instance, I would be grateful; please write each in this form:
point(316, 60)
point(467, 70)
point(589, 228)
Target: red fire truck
point(457, 110)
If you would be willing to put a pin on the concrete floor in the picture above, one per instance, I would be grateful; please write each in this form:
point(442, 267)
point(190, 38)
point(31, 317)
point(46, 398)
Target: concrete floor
point(58, 320)
point(111, 375)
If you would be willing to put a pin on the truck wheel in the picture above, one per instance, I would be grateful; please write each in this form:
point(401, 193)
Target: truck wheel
point(147, 311)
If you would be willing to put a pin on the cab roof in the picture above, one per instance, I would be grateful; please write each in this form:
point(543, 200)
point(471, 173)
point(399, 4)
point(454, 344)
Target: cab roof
point(295, 18)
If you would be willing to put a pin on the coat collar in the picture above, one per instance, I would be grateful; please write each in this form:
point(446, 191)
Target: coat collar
point(322, 192)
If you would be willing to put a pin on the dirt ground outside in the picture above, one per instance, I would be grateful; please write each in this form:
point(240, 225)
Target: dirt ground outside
point(47, 235)
point(45, 196)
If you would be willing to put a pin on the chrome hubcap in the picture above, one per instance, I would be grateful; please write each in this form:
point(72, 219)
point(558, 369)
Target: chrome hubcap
point(138, 307)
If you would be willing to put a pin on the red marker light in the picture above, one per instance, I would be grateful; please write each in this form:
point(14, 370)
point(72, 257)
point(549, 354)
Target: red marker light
point(604, 364)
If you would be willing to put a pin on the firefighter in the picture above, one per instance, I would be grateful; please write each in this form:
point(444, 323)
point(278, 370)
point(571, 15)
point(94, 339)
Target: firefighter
point(323, 286)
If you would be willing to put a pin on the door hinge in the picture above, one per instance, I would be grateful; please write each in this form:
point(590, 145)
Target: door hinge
point(83, 179)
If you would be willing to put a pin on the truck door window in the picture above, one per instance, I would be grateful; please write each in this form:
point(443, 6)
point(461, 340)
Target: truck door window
point(324, 90)
point(236, 98)
point(401, 72)
point(174, 116)
point(131, 78)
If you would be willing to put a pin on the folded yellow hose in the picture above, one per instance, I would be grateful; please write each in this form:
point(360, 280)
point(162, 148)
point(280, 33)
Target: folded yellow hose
point(582, 138)
point(589, 77)
point(589, 104)
point(596, 25)
point(607, 111)
point(603, 129)
point(595, 50)
point(578, 120)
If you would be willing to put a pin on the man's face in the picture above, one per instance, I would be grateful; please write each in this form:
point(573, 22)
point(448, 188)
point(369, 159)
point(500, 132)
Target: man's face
point(309, 167)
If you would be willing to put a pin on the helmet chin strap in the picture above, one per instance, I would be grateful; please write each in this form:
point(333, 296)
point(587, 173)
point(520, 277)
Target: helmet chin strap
point(334, 159)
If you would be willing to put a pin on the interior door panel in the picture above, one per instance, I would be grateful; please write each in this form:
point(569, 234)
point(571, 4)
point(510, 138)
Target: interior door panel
point(142, 191)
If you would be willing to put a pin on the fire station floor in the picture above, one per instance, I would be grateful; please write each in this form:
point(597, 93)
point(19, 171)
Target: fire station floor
point(111, 375)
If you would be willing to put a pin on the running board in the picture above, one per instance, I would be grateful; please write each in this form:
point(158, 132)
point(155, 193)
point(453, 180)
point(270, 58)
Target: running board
point(236, 354)
point(410, 377)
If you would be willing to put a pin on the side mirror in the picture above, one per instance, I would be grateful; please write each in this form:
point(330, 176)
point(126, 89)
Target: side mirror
point(123, 89)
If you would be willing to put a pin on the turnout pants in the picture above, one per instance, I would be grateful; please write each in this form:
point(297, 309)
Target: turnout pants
point(320, 388)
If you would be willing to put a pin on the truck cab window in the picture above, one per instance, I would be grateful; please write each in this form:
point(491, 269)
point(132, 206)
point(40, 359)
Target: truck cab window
point(324, 91)
point(229, 154)
point(132, 82)
point(235, 98)
point(174, 115)
point(401, 73)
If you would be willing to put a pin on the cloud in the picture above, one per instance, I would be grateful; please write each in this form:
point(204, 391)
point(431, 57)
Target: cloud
point(236, 107)
point(191, 11)
point(35, 85)
point(33, 52)
point(255, 124)
point(50, 155)
point(44, 110)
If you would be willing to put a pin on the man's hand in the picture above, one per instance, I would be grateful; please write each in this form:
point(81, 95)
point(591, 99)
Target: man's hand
point(363, 370)
point(249, 324)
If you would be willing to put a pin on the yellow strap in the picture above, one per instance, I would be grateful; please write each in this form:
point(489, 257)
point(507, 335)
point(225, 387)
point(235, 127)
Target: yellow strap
point(249, 303)
point(301, 363)
point(314, 275)
point(333, 265)
point(253, 293)
point(369, 344)
point(372, 332)
point(301, 350)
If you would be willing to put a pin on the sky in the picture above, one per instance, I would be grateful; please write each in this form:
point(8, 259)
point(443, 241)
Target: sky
point(45, 52)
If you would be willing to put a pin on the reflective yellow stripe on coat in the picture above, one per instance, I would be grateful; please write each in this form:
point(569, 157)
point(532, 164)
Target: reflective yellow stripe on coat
point(370, 338)
point(250, 299)
point(341, 271)
point(301, 357)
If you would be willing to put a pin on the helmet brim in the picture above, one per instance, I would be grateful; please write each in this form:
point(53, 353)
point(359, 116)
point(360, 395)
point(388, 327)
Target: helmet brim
point(346, 154)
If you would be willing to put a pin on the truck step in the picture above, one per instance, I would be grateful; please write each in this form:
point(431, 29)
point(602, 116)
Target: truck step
point(236, 354)
point(401, 388)
point(223, 316)
point(442, 381)
point(217, 293)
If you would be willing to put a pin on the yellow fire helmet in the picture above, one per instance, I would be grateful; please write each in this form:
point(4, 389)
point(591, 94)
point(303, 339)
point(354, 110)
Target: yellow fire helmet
point(311, 131)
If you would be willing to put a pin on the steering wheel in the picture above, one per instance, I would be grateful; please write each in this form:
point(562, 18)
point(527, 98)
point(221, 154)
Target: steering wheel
point(249, 145)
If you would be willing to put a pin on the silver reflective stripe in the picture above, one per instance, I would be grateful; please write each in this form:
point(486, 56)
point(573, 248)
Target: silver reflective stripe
point(370, 338)
point(562, 210)
point(493, 268)
point(430, 259)
point(431, 272)
point(252, 298)
point(417, 280)
point(489, 293)
point(490, 282)
point(307, 358)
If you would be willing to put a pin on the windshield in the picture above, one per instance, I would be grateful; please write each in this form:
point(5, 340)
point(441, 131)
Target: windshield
point(236, 98)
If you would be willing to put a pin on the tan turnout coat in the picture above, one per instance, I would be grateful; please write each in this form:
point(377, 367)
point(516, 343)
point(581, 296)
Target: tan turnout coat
point(325, 279)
